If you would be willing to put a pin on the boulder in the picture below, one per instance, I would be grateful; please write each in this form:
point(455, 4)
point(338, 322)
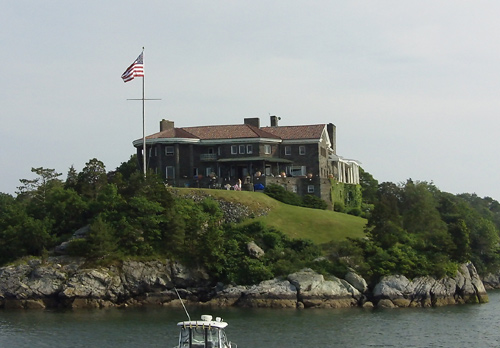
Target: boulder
point(491, 280)
point(273, 293)
point(358, 282)
point(254, 250)
point(93, 284)
point(315, 291)
point(139, 277)
point(183, 277)
point(464, 287)
point(228, 295)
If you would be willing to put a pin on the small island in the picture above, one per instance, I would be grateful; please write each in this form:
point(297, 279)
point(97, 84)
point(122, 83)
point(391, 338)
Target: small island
point(118, 238)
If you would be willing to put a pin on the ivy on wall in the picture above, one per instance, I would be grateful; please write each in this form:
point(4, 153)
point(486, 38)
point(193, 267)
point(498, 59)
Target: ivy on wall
point(346, 197)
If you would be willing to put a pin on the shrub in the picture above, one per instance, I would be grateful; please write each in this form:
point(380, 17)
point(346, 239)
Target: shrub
point(311, 201)
point(339, 207)
point(279, 193)
point(354, 211)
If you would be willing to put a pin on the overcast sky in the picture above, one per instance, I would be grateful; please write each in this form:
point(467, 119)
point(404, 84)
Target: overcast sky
point(412, 86)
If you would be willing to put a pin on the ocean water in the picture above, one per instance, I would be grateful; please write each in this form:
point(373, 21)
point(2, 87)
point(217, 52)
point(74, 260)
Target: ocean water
point(452, 326)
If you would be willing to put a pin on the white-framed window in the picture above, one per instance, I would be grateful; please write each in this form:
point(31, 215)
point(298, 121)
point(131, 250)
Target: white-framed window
point(288, 150)
point(249, 149)
point(234, 149)
point(294, 188)
point(170, 172)
point(169, 150)
point(218, 150)
point(310, 188)
point(208, 171)
point(268, 170)
point(195, 172)
point(302, 150)
point(296, 170)
point(242, 149)
point(267, 149)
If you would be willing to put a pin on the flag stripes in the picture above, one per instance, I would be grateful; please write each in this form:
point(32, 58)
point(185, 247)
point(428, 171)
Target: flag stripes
point(136, 69)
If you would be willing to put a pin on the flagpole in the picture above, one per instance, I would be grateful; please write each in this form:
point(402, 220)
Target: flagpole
point(143, 119)
point(137, 70)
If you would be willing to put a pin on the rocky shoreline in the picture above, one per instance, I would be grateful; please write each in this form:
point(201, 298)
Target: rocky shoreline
point(63, 282)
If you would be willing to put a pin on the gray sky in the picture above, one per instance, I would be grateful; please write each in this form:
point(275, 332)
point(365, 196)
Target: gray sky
point(412, 86)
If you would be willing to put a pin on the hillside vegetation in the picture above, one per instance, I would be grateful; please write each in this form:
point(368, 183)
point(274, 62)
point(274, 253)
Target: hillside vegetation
point(319, 226)
point(412, 228)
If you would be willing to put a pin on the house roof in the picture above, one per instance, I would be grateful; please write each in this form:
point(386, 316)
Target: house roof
point(239, 131)
point(172, 133)
point(297, 132)
point(215, 132)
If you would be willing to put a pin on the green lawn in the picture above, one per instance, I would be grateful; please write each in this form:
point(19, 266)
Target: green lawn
point(320, 226)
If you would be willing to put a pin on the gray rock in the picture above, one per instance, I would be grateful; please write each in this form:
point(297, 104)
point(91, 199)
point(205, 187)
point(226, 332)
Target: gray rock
point(139, 277)
point(465, 286)
point(492, 280)
point(273, 293)
point(184, 277)
point(254, 250)
point(315, 291)
point(356, 281)
point(93, 284)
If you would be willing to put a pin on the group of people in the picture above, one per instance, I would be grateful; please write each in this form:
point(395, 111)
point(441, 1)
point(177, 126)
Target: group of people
point(236, 187)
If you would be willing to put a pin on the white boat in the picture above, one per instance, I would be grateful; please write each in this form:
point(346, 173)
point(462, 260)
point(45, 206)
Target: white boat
point(204, 333)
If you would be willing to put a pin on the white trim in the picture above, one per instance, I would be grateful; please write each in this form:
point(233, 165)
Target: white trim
point(240, 141)
point(138, 143)
point(302, 141)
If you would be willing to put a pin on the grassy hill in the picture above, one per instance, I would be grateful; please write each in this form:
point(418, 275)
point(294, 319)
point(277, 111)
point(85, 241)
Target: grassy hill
point(320, 226)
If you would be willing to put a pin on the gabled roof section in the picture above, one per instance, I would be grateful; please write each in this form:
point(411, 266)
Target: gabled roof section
point(215, 132)
point(297, 132)
point(172, 133)
point(228, 132)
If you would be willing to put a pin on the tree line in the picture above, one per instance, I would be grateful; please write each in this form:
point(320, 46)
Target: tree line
point(412, 228)
point(415, 229)
point(131, 216)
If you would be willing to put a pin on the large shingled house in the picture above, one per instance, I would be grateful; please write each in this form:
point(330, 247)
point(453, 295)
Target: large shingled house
point(301, 158)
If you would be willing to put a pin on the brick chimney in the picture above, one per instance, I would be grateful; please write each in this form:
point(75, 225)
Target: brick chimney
point(254, 121)
point(166, 124)
point(274, 121)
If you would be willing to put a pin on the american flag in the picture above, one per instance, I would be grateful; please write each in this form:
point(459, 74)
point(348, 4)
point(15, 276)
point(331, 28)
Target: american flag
point(134, 70)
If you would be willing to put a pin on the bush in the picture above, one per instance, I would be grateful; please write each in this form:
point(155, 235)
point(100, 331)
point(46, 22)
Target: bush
point(253, 271)
point(311, 201)
point(78, 247)
point(354, 211)
point(279, 193)
point(339, 207)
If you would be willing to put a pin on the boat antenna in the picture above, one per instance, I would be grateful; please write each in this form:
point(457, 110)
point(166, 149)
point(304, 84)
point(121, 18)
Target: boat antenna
point(182, 303)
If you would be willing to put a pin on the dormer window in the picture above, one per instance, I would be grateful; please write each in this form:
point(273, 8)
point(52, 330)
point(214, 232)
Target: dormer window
point(242, 149)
